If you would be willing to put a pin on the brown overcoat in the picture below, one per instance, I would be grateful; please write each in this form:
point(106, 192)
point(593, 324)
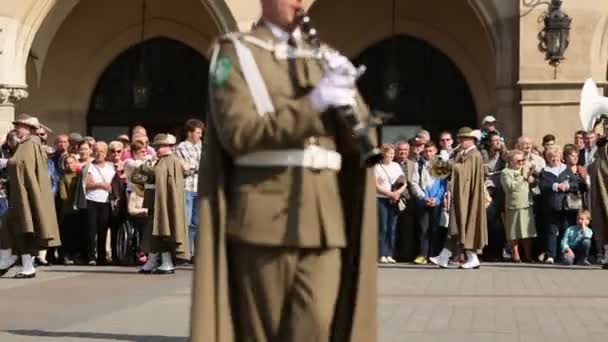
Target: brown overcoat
point(468, 218)
point(211, 317)
point(169, 220)
point(598, 173)
point(31, 199)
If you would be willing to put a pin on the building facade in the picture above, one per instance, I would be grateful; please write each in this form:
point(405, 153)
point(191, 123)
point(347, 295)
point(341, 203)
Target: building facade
point(80, 64)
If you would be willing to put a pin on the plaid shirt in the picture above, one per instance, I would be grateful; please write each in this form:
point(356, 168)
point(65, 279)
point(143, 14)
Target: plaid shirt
point(191, 154)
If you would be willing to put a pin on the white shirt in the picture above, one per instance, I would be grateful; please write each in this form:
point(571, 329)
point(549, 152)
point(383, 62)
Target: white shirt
point(282, 35)
point(386, 175)
point(100, 174)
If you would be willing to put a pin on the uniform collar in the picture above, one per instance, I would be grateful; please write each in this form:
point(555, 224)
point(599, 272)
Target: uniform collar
point(280, 34)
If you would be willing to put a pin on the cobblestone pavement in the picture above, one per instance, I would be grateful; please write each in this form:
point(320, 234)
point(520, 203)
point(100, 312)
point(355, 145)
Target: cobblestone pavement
point(499, 302)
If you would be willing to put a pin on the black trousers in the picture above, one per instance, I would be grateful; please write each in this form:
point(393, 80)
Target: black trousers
point(70, 235)
point(98, 220)
point(555, 224)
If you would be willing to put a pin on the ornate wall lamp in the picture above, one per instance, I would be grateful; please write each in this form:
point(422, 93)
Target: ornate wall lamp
point(555, 36)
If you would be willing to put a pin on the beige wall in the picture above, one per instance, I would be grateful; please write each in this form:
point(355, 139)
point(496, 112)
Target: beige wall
point(491, 41)
point(92, 35)
point(550, 102)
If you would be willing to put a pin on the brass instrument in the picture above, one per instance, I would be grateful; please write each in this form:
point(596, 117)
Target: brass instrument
point(370, 154)
point(440, 168)
point(593, 108)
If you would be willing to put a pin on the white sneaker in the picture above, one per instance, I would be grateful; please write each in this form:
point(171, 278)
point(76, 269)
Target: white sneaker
point(472, 261)
point(549, 261)
point(391, 260)
point(383, 260)
point(442, 259)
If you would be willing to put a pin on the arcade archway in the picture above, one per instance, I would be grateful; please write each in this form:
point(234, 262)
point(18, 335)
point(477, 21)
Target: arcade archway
point(176, 78)
point(417, 84)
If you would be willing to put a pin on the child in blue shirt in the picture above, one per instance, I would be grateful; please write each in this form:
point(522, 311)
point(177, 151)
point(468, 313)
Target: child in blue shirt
point(577, 240)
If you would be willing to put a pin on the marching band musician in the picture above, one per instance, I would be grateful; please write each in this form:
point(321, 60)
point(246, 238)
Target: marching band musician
point(167, 235)
point(287, 220)
point(31, 222)
point(598, 172)
point(469, 200)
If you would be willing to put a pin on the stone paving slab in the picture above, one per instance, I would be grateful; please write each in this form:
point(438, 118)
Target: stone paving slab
point(500, 302)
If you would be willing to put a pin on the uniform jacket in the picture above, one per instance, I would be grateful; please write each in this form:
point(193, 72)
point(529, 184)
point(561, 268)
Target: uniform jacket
point(280, 206)
point(169, 220)
point(31, 200)
point(468, 218)
point(598, 172)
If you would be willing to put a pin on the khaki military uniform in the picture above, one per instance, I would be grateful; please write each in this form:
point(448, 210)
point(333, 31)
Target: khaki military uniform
point(284, 224)
point(31, 222)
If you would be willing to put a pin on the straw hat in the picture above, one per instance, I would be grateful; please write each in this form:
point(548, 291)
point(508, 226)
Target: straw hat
point(164, 139)
point(27, 120)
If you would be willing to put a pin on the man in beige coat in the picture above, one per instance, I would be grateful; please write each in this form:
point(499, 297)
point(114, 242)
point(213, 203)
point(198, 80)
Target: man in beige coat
point(31, 223)
point(469, 199)
point(287, 238)
point(167, 235)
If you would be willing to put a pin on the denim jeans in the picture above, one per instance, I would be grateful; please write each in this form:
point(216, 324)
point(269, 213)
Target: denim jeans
point(192, 217)
point(427, 219)
point(387, 224)
point(555, 224)
point(581, 252)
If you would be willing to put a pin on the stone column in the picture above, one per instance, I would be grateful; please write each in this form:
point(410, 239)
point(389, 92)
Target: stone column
point(9, 96)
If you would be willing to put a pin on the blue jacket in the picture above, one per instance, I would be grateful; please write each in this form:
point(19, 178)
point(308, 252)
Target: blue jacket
point(574, 235)
point(428, 187)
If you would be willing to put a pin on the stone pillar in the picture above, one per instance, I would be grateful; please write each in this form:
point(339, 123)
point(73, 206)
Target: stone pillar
point(9, 96)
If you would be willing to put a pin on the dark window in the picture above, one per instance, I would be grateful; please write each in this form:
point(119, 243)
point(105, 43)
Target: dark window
point(177, 79)
point(432, 91)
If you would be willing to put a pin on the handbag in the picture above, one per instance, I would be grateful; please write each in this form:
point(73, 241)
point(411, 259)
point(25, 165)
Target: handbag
point(397, 184)
point(573, 201)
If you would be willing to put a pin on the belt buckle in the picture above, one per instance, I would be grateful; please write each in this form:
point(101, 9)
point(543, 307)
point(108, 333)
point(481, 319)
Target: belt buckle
point(316, 158)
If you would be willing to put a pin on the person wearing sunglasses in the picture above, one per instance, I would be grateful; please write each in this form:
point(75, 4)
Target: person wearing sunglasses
point(519, 216)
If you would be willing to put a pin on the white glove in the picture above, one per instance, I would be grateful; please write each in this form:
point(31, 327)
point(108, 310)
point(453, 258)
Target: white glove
point(333, 91)
point(338, 64)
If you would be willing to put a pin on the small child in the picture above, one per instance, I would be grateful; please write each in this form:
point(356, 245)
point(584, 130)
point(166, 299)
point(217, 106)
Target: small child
point(68, 229)
point(577, 240)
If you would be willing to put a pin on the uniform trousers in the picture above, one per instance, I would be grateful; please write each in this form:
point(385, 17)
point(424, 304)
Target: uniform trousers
point(20, 243)
point(281, 293)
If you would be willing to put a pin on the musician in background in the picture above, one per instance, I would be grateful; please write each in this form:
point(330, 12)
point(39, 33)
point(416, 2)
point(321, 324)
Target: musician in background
point(469, 200)
point(598, 172)
point(282, 183)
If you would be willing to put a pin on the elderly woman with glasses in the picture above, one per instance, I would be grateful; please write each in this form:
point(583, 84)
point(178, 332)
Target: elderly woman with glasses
point(519, 216)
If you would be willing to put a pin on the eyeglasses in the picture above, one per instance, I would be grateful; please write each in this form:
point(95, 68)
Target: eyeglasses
point(519, 161)
point(116, 151)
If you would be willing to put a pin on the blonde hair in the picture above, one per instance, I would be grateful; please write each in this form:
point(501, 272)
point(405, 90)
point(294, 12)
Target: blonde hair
point(387, 147)
point(513, 153)
point(114, 145)
point(584, 212)
point(100, 145)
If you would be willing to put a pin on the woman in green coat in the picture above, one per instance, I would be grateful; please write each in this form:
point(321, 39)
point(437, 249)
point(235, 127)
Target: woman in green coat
point(519, 217)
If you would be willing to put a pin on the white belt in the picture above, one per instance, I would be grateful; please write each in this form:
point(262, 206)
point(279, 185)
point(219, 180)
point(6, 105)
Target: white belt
point(312, 157)
point(150, 186)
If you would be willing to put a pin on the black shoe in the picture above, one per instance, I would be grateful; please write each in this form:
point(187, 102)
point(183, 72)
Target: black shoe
point(40, 262)
point(24, 276)
point(4, 271)
point(605, 267)
point(142, 271)
point(159, 271)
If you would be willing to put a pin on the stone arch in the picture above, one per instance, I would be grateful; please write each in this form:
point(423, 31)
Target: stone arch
point(598, 51)
point(50, 15)
point(86, 79)
point(377, 27)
